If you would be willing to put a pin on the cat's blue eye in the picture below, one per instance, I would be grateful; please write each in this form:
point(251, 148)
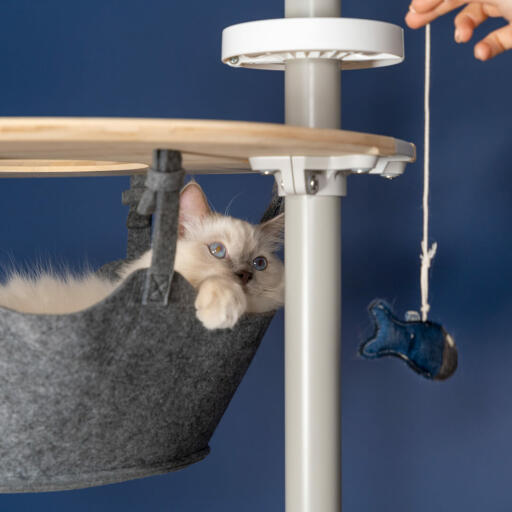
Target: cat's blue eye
point(259, 263)
point(217, 249)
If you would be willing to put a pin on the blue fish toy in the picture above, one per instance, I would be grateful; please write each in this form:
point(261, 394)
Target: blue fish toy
point(425, 346)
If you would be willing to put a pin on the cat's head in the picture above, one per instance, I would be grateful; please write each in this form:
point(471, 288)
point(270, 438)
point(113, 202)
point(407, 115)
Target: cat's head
point(212, 244)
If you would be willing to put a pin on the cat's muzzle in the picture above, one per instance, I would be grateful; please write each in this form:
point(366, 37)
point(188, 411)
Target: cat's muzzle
point(244, 276)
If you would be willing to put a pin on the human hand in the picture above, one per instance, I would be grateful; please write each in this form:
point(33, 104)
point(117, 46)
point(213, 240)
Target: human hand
point(474, 14)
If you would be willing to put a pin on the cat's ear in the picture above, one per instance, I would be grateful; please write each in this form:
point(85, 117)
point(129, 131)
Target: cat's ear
point(273, 229)
point(193, 204)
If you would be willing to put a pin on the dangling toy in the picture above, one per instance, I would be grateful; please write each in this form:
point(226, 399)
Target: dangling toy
point(426, 347)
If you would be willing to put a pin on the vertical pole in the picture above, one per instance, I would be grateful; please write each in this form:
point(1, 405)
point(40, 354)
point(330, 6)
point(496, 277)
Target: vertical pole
point(313, 93)
point(313, 296)
point(312, 354)
point(313, 86)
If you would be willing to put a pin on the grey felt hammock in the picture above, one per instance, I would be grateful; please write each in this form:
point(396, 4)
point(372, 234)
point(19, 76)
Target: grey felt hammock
point(131, 387)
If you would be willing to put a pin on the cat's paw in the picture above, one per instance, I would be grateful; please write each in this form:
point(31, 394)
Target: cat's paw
point(220, 303)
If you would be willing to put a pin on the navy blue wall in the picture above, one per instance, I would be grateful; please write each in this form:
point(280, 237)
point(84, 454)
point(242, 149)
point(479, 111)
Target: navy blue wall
point(408, 444)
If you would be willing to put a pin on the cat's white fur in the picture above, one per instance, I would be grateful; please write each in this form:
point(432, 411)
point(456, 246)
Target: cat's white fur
point(222, 297)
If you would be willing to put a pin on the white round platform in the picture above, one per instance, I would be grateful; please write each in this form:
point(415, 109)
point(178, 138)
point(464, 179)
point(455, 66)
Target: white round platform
point(356, 43)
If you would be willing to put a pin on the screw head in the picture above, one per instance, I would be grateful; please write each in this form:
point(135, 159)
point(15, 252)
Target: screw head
point(233, 60)
point(313, 184)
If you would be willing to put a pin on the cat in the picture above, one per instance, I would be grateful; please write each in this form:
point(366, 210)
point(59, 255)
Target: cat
point(232, 264)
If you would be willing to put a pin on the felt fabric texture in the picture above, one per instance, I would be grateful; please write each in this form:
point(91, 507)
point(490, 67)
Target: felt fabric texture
point(139, 225)
point(424, 346)
point(163, 183)
point(114, 392)
point(118, 391)
point(275, 207)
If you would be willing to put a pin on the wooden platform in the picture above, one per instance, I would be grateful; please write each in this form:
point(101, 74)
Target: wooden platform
point(48, 168)
point(31, 146)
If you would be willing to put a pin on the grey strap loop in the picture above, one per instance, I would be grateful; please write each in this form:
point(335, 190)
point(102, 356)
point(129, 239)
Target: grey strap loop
point(155, 181)
point(158, 180)
point(147, 203)
point(162, 197)
point(139, 226)
point(132, 195)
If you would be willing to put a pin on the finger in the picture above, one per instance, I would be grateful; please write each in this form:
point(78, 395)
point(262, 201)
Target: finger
point(422, 12)
point(494, 44)
point(419, 13)
point(467, 20)
point(422, 6)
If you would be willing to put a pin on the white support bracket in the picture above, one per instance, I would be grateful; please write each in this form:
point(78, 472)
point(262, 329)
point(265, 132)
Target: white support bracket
point(327, 175)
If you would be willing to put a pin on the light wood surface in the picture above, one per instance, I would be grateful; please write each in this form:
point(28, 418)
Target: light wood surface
point(42, 168)
point(219, 146)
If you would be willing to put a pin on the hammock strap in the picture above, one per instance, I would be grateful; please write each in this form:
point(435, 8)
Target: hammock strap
point(161, 198)
point(139, 226)
point(275, 207)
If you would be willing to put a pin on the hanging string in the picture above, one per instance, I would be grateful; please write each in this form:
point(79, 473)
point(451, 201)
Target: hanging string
point(427, 254)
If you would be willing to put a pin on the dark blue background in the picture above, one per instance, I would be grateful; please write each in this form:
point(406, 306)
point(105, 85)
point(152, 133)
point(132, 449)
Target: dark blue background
point(408, 444)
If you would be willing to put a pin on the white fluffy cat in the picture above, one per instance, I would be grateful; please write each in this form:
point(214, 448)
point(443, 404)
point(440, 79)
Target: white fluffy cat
point(230, 262)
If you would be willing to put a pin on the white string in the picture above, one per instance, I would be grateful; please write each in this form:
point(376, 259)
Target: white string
point(427, 254)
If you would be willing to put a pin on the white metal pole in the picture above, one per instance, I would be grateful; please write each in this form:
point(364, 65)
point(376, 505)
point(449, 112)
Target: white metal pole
point(312, 8)
point(313, 93)
point(313, 307)
point(313, 296)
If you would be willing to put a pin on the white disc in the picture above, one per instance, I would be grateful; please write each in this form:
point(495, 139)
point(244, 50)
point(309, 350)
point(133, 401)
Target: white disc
point(356, 43)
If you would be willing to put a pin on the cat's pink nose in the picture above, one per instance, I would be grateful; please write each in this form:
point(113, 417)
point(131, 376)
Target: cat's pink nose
point(244, 276)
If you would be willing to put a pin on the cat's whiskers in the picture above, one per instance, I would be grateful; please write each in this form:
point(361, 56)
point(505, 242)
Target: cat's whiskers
point(228, 207)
